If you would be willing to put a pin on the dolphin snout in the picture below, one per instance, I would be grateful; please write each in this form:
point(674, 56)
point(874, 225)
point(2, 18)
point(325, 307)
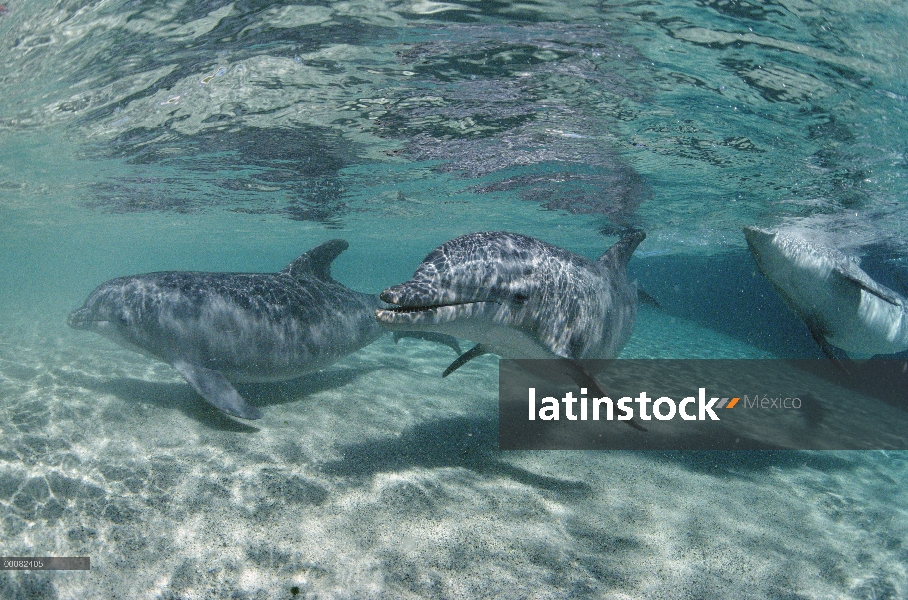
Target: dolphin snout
point(391, 295)
point(758, 238)
point(416, 305)
point(79, 318)
point(410, 294)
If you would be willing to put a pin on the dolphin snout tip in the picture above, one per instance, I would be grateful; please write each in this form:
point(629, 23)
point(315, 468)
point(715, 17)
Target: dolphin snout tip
point(756, 235)
point(76, 319)
point(754, 231)
point(391, 319)
point(407, 294)
point(389, 296)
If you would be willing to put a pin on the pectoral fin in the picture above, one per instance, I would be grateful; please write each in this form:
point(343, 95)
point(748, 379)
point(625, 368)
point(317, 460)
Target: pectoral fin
point(863, 281)
point(581, 377)
point(477, 350)
point(645, 298)
point(216, 390)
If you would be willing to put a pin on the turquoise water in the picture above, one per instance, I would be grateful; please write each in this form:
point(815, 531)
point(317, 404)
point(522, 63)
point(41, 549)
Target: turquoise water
point(142, 136)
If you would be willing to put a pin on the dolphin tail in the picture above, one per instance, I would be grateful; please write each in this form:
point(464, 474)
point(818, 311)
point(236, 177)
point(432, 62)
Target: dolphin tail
point(216, 390)
point(477, 350)
point(620, 253)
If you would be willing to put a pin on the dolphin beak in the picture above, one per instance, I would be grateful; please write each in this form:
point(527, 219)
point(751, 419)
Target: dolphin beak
point(417, 305)
point(78, 319)
point(411, 293)
point(758, 238)
point(428, 318)
point(407, 304)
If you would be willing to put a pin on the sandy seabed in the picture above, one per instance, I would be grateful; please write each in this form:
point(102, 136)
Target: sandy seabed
point(378, 479)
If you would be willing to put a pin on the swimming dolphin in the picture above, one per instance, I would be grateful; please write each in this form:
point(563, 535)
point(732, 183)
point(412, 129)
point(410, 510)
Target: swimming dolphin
point(217, 329)
point(841, 305)
point(520, 297)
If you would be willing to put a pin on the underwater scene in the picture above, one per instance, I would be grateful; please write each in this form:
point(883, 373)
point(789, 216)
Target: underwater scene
point(239, 197)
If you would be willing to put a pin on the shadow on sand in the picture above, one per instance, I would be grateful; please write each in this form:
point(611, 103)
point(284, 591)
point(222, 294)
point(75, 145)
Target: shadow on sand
point(470, 443)
point(180, 396)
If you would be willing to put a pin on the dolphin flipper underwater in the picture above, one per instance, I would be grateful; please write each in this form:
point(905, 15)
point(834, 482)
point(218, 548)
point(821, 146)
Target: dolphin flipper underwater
point(217, 329)
point(520, 297)
point(841, 305)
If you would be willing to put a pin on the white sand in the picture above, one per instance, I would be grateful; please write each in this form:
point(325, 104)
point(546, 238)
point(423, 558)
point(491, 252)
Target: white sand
point(379, 479)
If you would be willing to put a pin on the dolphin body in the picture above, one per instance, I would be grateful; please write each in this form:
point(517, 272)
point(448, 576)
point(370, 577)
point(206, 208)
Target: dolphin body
point(520, 297)
point(219, 328)
point(841, 305)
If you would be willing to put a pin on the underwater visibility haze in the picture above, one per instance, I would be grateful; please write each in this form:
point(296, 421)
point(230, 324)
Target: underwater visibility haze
point(142, 136)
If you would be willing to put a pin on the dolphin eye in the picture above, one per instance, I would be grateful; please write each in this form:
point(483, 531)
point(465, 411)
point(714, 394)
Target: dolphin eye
point(519, 299)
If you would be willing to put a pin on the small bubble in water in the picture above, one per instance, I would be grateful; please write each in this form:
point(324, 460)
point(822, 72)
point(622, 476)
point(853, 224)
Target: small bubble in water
point(297, 59)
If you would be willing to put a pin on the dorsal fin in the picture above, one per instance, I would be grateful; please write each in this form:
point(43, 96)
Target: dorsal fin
point(620, 253)
point(317, 262)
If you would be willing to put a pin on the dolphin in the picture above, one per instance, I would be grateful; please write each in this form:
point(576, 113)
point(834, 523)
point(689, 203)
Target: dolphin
point(520, 297)
point(841, 305)
point(217, 329)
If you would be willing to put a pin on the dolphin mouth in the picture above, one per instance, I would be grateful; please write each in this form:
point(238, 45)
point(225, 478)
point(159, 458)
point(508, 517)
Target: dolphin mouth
point(409, 309)
point(81, 319)
point(414, 304)
point(414, 316)
point(77, 319)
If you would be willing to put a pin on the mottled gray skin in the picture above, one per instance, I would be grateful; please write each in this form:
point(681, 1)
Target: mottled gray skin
point(520, 297)
point(840, 303)
point(217, 328)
